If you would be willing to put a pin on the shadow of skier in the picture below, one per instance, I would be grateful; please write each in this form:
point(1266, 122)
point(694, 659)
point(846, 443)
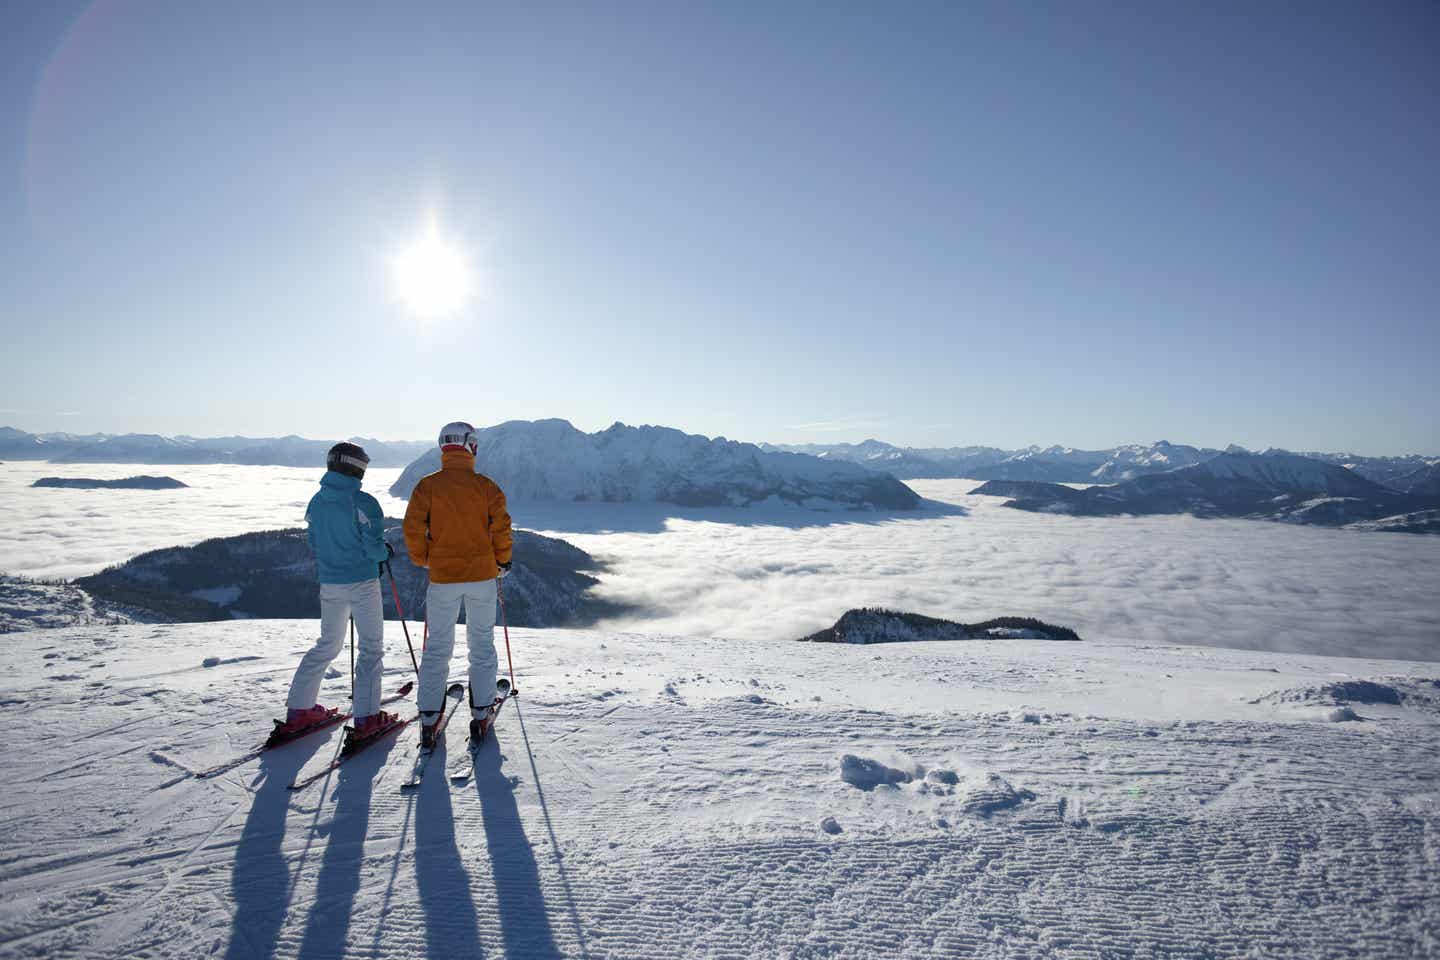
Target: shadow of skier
point(327, 928)
point(451, 927)
point(524, 918)
point(260, 881)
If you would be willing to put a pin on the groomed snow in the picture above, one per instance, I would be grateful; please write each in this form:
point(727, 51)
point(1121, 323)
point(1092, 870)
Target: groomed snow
point(657, 796)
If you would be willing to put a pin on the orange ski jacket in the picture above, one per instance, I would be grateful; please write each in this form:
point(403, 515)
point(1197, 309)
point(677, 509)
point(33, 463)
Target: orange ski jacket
point(457, 524)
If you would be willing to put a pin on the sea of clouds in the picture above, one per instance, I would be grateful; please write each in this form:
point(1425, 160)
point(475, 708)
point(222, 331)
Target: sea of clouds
point(1233, 583)
point(54, 532)
point(777, 574)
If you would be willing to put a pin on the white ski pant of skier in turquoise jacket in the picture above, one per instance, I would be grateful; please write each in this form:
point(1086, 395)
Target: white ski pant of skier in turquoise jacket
point(338, 603)
point(442, 604)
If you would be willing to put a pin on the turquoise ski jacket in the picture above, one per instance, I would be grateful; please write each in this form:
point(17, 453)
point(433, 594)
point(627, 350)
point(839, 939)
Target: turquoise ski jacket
point(346, 530)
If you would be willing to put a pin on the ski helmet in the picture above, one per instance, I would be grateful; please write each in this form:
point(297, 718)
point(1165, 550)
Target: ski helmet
point(458, 435)
point(347, 458)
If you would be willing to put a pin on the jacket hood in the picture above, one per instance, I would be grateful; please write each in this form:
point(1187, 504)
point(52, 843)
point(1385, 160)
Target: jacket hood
point(339, 481)
point(457, 460)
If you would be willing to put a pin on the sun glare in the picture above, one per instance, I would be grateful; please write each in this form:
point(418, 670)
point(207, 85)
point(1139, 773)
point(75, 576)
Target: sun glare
point(431, 277)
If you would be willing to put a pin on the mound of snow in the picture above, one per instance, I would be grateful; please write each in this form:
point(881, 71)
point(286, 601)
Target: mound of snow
point(1414, 693)
point(27, 604)
point(868, 774)
point(994, 795)
point(1363, 691)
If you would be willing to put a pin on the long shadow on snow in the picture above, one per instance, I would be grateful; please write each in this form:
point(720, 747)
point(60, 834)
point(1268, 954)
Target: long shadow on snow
point(524, 916)
point(563, 516)
point(327, 929)
point(451, 927)
point(260, 879)
point(488, 777)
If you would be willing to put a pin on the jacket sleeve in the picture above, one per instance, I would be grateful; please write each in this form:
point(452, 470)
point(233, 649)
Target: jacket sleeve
point(417, 525)
point(310, 526)
point(372, 534)
point(501, 537)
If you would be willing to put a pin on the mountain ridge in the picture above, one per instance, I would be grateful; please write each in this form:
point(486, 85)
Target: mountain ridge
point(553, 460)
point(1275, 485)
point(1055, 464)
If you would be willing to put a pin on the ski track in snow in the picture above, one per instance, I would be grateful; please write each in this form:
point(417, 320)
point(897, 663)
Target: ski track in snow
point(666, 797)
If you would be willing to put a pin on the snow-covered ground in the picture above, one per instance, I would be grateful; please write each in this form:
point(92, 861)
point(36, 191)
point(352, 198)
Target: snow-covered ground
point(655, 796)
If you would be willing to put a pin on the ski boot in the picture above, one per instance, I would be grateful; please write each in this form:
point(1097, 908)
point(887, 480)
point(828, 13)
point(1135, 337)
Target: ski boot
point(367, 727)
point(430, 731)
point(479, 726)
point(299, 720)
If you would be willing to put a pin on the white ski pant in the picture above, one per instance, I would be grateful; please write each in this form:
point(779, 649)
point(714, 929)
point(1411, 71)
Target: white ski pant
point(338, 603)
point(442, 601)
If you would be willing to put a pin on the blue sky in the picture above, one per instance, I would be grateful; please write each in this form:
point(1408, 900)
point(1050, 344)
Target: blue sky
point(936, 224)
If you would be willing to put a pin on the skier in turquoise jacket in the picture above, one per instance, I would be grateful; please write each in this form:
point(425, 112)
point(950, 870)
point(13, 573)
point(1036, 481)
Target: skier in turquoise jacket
point(346, 530)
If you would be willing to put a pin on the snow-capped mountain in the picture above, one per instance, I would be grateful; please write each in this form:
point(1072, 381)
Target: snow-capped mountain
point(1062, 464)
point(932, 463)
point(1137, 460)
point(1053, 464)
point(289, 451)
point(552, 460)
point(1386, 471)
point(1275, 470)
point(1274, 485)
point(1422, 481)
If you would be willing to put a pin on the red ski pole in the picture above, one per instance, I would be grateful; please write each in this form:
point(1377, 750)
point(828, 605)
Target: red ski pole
point(500, 595)
point(395, 592)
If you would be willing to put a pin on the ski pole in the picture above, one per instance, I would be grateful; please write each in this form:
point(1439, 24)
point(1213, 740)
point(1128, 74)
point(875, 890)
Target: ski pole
point(352, 658)
point(504, 623)
point(395, 592)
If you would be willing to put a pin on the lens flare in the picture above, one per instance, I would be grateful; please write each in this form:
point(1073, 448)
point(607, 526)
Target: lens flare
point(432, 277)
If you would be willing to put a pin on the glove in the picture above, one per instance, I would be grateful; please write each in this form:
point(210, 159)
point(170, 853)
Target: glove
point(389, 552)
point(504, 571)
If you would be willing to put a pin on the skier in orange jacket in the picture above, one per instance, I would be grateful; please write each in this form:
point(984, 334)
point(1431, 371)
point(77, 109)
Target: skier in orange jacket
point(458, 527)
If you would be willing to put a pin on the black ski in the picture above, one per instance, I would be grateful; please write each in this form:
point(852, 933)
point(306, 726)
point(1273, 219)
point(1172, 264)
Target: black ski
point(279, 740)
point(351, 748)
point(464, 765)
point(422, 755)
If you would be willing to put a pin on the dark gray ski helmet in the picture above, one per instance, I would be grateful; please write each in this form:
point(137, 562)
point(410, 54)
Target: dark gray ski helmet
point(347, 458)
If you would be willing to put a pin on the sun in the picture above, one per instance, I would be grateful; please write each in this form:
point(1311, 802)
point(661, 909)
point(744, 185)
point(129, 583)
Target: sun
point(431, 277)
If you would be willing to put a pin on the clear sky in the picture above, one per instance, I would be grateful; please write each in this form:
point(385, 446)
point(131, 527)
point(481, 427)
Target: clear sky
point(935, 224)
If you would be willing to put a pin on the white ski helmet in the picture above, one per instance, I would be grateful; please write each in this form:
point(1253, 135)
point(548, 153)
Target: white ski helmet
point(458, 435)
